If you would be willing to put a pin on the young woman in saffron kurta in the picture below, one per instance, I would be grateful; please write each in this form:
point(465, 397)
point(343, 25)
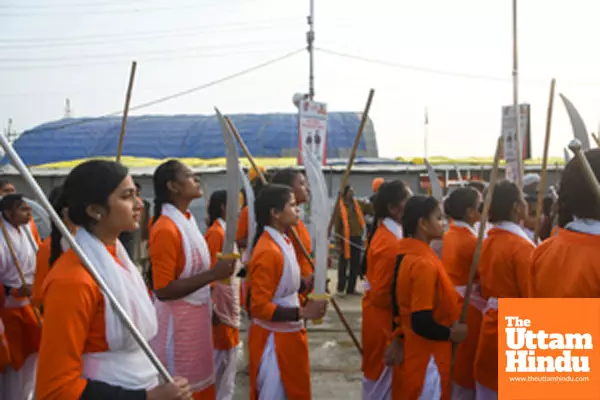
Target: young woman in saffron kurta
point(379, 263)
point(297, 181)
point(426, 307)
point(503, 271)
point(462, 207)
point(52, 247)
point(22, 328)
point(279, 365)
point(182, 277)
point(567, 265)
point(226, 308)
point(86, 351)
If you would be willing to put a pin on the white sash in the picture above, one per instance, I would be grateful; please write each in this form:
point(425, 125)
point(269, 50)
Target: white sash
point(584, 225)
point(492, 304)
point(124, 364)
point(514, 229)
point(9, 275)
point(195, 250)
point(463, 224)
point(286, 294)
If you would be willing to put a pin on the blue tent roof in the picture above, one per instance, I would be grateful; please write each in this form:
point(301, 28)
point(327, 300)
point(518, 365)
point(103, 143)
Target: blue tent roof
point(194, 136)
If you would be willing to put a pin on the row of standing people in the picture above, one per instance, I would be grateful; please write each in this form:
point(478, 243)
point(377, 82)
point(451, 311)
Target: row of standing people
point(413, 297)
point(191, 313)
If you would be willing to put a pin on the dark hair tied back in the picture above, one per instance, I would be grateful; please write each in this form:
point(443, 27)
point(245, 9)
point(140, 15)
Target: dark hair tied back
point(271, 197)
point(460, 201)
point(91, 182)
point(164, 173)
point(218, 200)
point(417, 208)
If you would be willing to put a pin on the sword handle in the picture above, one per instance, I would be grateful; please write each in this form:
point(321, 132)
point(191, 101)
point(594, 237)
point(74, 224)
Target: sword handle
point(228, 256)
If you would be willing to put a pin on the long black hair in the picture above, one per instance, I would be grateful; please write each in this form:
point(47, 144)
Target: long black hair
point(575, 196)
point(91, 183)
point(388, 194)
point(271, 197)
point(59, 202)
point(165, 173)
point(460, 201)
point(417, 208)
point(218, 199)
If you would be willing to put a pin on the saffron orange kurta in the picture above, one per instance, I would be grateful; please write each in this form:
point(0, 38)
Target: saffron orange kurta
point(566, 266)
point(504, 273)
point(423, 284)
point(266, 269)
point(377, 301)
point(457, 255)
point(66, 336)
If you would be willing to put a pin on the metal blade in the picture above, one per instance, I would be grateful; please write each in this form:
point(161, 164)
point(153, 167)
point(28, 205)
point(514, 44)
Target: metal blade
point(320, 217)
point(566, 155)
point(436, 188)
point(579, 130)
point(233, 185)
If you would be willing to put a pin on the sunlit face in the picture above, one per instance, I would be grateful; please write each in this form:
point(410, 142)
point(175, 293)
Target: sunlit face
point(124, 209)
point(20, 215)
point(187, 184)
point(289, 215)
point(7, 189)
point(433, 226)
point(300, 187)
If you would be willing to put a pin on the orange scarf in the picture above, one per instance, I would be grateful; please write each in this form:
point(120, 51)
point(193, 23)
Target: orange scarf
point(346, 225)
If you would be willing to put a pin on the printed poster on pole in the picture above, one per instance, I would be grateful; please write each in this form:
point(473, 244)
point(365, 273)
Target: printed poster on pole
point(312, 129)
point(509, 133)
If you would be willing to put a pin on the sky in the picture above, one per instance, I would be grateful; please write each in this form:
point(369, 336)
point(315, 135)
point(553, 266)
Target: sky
point(453, 58)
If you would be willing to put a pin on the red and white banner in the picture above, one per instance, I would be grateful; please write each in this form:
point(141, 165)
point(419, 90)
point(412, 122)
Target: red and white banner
point(312, 130)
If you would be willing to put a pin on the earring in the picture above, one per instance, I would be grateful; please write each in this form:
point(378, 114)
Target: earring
point(98, 216)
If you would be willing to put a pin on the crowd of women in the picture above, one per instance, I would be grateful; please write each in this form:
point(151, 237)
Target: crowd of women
point(62, 339)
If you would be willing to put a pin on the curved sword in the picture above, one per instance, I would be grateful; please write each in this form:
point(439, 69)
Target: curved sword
point(566, 155)
point(579, 130)
point(233, 187)
point(320, 217)
point(436, 188)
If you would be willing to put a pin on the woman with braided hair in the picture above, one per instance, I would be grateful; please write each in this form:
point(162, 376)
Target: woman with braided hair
point(378, 263)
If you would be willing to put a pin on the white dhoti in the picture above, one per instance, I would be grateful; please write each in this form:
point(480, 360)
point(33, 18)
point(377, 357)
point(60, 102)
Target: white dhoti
point(268, 382)
point(485, 393)
point(225, 371)
point(461, 393)
point(19, 385)
point(381, 389)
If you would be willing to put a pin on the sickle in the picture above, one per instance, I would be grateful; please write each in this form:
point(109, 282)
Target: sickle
point(579, 130)
point(436, 188)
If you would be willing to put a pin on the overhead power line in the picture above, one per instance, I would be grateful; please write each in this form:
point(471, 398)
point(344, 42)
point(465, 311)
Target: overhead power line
point(179, 94)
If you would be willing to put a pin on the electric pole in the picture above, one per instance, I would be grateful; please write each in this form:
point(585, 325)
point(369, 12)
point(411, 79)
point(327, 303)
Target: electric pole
point(310, 38)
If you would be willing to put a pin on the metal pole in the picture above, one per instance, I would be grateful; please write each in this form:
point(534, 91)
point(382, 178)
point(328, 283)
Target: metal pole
point(515, 74)
point(310, 38)
point(18, 163)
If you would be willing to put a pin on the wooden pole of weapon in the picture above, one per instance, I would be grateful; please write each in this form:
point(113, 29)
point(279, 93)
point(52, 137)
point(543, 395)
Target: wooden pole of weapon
point(294, 234)
point(361, 128)
point(575, 147)
point(543, 178)
point(13, 254)
point(126, 110)
point(482, 224)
